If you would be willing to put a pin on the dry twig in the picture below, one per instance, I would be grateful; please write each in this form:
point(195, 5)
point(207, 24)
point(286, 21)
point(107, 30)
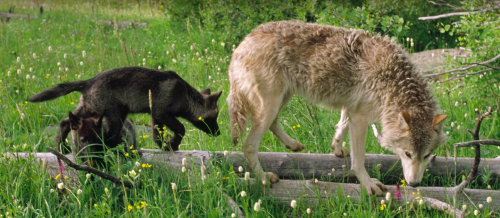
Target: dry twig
point(89, 169)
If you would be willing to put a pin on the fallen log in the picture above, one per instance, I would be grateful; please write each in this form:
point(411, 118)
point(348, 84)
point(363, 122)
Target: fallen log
point(307, 166)
point(11, 15)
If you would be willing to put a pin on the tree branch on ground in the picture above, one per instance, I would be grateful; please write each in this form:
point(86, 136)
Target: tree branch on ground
point(90, 169)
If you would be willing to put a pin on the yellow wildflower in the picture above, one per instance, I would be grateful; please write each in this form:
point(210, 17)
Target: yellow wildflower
point(298, 125)
point(126, 154)
point(129, 207)
point(145, 165)
point(199, 118)
point(72, 103)
point(293, 127)
point(144, 204)
point(145, 136)
point(383, 206)
point(403, 183)
point(57, 176)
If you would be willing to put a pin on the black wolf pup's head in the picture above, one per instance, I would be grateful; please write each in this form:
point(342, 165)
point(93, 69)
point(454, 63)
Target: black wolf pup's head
point(86, 133)
point(207, 121)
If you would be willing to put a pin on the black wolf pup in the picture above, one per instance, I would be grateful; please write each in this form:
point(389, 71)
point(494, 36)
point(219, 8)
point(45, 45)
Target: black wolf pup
point(87, 136)
point(125, 90)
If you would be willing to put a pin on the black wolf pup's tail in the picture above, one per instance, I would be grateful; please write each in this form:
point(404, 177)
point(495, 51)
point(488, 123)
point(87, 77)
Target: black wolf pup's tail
point(59, 90)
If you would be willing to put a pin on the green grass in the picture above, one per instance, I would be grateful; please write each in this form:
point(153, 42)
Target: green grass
point(202, 59)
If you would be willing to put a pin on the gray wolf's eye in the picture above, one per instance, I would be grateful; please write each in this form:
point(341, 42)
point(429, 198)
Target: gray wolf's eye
point(408, 154)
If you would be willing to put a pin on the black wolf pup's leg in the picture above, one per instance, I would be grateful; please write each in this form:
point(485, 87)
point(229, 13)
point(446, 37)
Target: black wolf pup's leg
point(64, 130)
point(157, 126)
point(113, 128)
point(173, 124)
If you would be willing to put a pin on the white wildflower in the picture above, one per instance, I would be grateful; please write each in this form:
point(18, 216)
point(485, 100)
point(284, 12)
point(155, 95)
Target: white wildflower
point(65, 56)
point(315, 181)
point(183, 169)
point(31, 69)
point(388, 196)
point(60, 185)
point(173, 60)
point(464, 207)
point(243, 194)
point(240, 169)
point(233, 215)
point(476, 212)
point(256, 207)
point(159, 67)
point(84, 53)
point(480, 206)
point(456, 104)
point(81, 63)
point(174, 186)
point(293, 204)
point(308, 211)
point(247, 176)
point(132, 173)
point(79, 192)
point(88, 175)
point(27, 76)
point(8, 73)
point(226, 153)
point(18, 71)
point(52, 190)
point(58, 63)
point(420, 202)
point(50, 48)
point(489, 200)
point(18, 59)
point(213, 40)
point(222, 44)
point(183, 161)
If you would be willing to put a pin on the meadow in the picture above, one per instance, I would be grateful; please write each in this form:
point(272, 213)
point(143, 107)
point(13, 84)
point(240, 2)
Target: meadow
point(69, 42)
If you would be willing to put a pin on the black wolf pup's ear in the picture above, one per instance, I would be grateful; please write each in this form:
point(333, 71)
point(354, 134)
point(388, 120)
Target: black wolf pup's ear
point(98, 122)
point(215, 96)
point(205, 91)
point(74, 121)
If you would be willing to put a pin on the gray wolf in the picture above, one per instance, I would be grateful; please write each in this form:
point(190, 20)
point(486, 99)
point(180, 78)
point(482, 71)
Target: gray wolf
point(87, 136)
point(369, 77)
point(125, 90)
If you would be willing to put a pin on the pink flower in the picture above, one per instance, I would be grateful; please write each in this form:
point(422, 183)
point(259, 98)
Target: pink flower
point(60, 167)
point(397, 194)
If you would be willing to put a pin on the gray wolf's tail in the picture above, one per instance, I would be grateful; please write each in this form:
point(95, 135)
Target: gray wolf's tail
point(238, 113)
point(59, 90)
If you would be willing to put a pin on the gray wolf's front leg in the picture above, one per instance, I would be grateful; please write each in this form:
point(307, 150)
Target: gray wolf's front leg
point(358, 126)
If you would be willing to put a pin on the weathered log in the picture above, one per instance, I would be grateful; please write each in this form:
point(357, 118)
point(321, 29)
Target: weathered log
point(309, 191)
point(310, 166)
point(11, 15)
point(307, 166)
point(121, 25)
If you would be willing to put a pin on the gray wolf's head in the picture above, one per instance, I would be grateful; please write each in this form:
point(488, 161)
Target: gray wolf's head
point(414, 140)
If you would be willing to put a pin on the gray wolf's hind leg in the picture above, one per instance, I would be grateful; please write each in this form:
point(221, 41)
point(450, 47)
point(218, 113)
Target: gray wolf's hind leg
point(340, 131)
point(289, 143)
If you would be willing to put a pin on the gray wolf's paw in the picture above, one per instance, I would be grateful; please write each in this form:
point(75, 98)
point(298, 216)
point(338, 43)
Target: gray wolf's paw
point(342, 152)
point(295, 146)
point(373, 186)
point(270, 178)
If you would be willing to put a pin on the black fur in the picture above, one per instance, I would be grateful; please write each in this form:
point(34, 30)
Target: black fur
point(120, 91)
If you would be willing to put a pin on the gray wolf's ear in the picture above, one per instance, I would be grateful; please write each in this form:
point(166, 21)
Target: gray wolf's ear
point(404, 120)
point(215, 96)
point(438, 121)
point(74, 121)
point(205, 91)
